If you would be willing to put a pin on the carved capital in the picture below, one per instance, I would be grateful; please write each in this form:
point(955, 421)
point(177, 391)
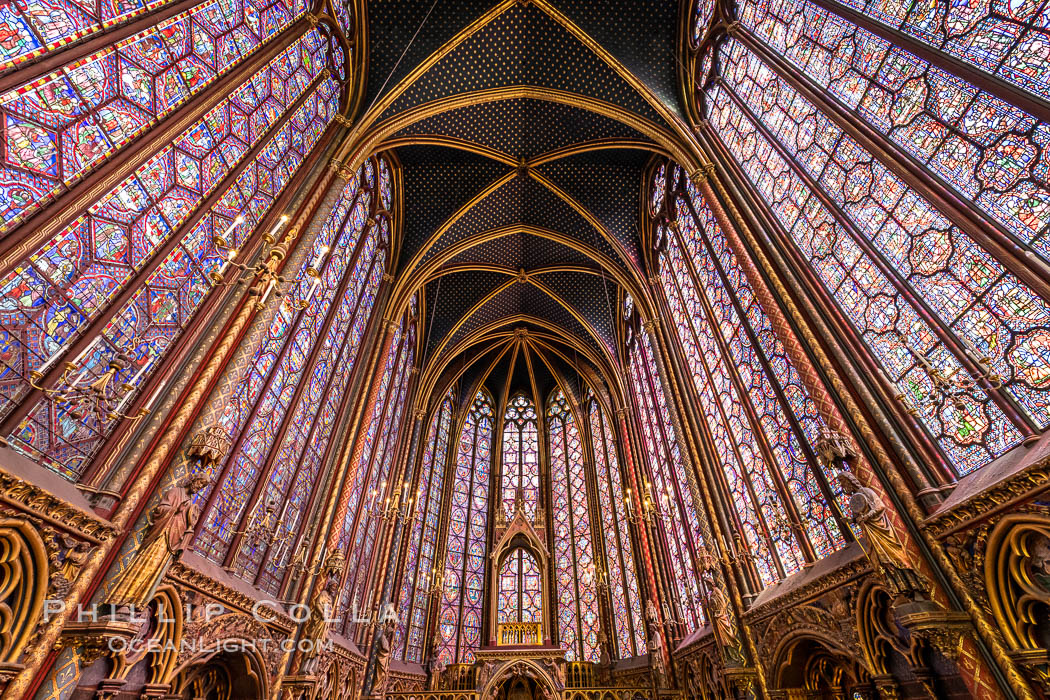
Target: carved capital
point(833, 447)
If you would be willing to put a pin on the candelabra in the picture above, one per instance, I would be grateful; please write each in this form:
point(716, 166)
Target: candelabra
point(264, 274)
point(648, 510)
point(953, 388)
point(102, 398)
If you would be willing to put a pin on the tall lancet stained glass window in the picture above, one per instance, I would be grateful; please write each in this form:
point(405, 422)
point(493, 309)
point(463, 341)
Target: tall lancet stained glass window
point(520, 596)
point(123, 278)
point(575, 568)
point(758, 414)
point(667, 487)
point(459, 617)
point(629, 638)
point(912, 193)
point(281, 413)
point(422, 563)
point(520, 465)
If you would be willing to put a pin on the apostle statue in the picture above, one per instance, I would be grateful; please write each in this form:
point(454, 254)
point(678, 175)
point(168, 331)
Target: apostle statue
point(884, 549)
point(322, 611)
point(384, 644)
point(169, 532)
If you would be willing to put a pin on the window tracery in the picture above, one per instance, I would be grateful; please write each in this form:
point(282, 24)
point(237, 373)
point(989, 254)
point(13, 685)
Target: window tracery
point(521, 465)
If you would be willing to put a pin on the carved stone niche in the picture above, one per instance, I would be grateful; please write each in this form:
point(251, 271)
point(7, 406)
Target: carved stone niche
point(944, 630)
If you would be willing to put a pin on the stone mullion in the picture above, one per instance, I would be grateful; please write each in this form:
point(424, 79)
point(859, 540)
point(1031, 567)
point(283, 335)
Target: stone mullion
point(984, 654)
point(988, 233)
point(589, 445)
point(347, 420)
point(763, 448)
point(717, 497)
point(760, 352)
point(357, 573)
point(658, 534)
point(399, 527)
point(386, 541)
point(948, 337)
point(238, 443)
point(840, 337)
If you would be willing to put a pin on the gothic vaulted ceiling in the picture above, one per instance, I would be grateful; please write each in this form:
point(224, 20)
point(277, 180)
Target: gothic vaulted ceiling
point(523, 131)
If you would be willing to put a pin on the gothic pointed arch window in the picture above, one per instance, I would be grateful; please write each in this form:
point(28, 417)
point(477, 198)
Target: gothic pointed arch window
point(575, 567)
point(666, 489)
point(521, 460)
point(281, 411)
point(622, 577)
point(120, 283)
point(759, 416)
point(459, 616)
point(901, 182)
point(422, 568)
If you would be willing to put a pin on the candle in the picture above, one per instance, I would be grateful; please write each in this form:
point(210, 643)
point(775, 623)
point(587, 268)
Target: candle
point(266, 294)
point(142, 370)
point(230, 255)
point(277, 227)
point(229, 229)
point(319, 260)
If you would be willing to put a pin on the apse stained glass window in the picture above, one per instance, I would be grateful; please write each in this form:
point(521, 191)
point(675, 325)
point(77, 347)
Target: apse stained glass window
point(421, 564)
point(768, 463)
point(668, 491)
point(521, 467)
point(133, 269)
point(520, 597)
point(923, 295)
point(621, 574)
point(459, 617)
point(272, 416)
point(575, 568)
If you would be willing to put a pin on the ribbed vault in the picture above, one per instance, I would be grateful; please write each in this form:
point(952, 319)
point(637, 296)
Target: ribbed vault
point(523, 131)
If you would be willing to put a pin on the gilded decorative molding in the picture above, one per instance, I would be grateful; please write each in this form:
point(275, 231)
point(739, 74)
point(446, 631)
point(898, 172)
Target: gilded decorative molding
point(1018, 487)
point(848, 572)
point(195, 580)
point(22, 495)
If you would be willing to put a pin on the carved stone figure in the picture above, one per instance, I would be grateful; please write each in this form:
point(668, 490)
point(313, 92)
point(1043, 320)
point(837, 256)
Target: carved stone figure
point(884, 549)
point(384, 645)
point(170, 532)
point(437, 667)
point(322, 606)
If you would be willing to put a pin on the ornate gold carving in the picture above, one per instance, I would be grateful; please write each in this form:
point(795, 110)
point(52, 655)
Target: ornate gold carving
point(194, 580)
point(833, 448)
point(1017, 487)
point(23, 586)
point(23, 495)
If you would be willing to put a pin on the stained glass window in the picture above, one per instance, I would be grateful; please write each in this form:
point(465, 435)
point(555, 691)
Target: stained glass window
point(520, 597)
point(922, 294)
point(421, 565)
point(668, 491)
point(459, 617)
point(619, 553)
point(149, 230)
point(1008, 40)
point(377, 461)
point(62, 126)
point(703, 11)
point(280, 438)
point(744, 380)
point(521, 467)
point(210, 33)
point(575, 568)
